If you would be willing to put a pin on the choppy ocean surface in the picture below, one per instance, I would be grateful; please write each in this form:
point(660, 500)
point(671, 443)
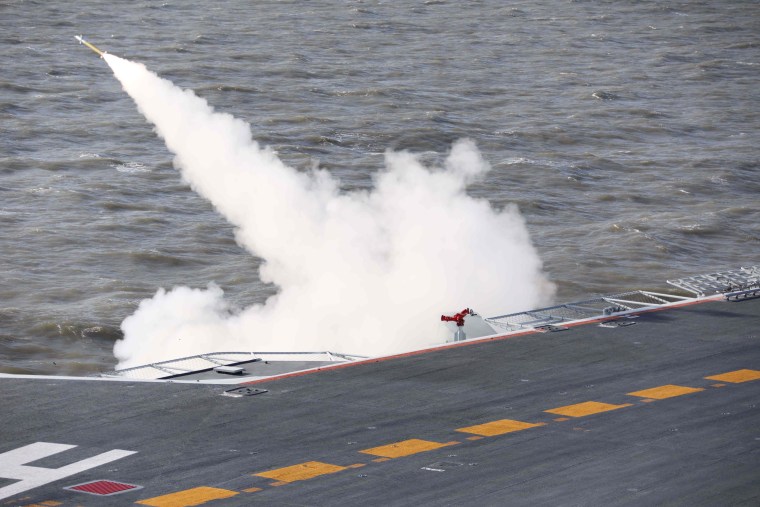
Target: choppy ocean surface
point(627, 134)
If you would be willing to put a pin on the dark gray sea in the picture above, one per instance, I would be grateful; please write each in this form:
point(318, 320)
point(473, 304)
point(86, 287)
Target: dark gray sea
point(627, 133)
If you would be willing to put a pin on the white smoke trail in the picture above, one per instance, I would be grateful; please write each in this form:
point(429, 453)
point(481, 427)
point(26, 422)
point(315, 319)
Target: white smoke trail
point(364, 272)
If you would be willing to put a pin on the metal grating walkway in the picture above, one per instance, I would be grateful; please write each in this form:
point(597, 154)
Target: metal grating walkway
point(736, 280)
point(205, 362)
point(604, 306)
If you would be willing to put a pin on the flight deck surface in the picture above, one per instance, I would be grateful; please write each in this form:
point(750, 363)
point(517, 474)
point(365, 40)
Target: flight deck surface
point(662, 411)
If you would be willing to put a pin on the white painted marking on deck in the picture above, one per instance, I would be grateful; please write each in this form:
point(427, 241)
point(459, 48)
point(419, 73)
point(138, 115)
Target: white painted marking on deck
point(12, 466)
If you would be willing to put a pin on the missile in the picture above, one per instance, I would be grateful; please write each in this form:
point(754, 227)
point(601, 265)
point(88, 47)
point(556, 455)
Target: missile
point(82, 41)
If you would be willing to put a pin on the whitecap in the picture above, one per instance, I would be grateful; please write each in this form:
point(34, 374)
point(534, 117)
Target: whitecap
point(131, 167)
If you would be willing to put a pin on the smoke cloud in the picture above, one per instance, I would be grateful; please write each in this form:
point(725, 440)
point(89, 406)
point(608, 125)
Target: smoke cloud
point(365, 272)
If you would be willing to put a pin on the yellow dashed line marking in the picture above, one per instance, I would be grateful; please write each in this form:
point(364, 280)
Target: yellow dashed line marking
point(585, 408)
point(405, 448)
point(311, 469)
point(188, 497)
point(666, 391)
point(301, 471)
point(736, 377)
point(500, 427)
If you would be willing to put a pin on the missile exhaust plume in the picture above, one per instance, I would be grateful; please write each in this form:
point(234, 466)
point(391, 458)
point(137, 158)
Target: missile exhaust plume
point(363, 272)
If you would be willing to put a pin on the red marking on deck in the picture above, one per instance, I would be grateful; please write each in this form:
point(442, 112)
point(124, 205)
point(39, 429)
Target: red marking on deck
point(103, 488)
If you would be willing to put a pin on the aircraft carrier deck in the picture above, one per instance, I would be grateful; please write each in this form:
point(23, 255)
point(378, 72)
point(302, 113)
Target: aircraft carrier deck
point(660, 406)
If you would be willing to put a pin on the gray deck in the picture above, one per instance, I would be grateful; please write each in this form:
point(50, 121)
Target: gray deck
point(700, 448)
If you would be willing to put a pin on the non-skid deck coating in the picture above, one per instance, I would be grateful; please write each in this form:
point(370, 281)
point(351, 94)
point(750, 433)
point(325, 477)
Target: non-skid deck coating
point(664, 411)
